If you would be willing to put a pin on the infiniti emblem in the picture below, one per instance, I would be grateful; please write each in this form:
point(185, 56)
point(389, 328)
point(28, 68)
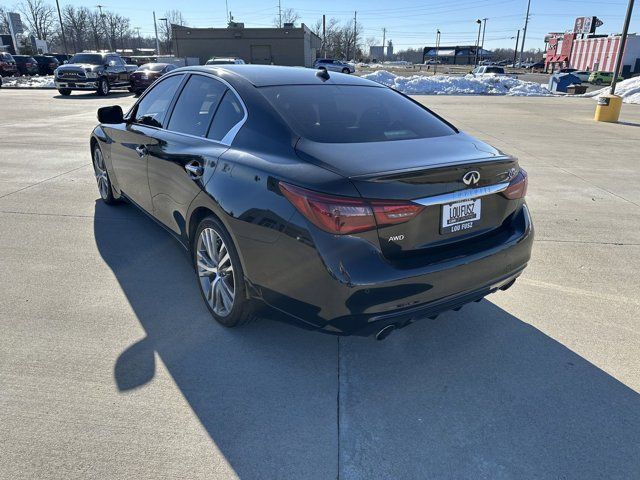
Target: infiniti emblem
point(471, 178)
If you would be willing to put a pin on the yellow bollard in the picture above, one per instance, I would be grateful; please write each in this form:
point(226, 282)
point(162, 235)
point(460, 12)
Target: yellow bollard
point(608, 109)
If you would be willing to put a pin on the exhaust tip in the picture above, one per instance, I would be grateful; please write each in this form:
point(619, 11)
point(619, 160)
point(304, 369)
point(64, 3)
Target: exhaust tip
point(385, 332)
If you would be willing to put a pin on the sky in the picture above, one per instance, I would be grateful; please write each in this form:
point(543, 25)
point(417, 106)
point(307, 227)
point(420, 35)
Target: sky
point(409, 23)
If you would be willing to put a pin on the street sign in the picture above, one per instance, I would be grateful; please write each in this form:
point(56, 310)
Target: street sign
point(15, 22)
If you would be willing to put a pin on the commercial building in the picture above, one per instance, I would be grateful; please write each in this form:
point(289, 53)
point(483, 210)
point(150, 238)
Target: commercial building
point(456, 55)
point(293, 46)
point(583, 49)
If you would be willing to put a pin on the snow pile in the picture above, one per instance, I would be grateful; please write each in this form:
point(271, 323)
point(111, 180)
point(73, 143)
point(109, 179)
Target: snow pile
point(29, 82)
point(628, 89)
point(459, 85)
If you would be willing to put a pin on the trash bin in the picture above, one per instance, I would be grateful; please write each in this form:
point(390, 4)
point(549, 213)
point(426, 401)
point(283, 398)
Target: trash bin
point(576, 89)
point(559, 82)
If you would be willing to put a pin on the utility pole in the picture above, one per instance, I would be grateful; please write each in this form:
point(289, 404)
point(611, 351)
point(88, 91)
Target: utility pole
point(137, 29)
point(355, 35)
point(104, 25)
point(64, 37)
point(226, 10)
point(324, 36)
point(623, 41)
point(479, 22)
point(435, 65)
point(484, 27)
point(524, 32)
point(384, 36)
point(280, 13)
point(155, 26)
point(515, 50)
point(166, 27)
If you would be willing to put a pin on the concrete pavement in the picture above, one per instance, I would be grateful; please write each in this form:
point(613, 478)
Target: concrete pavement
point(110, 366)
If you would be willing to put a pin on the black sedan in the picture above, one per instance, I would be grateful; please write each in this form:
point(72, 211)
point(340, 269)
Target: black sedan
point(26, 64)
point(148, 73)
point(333, 200)
point(46, 64)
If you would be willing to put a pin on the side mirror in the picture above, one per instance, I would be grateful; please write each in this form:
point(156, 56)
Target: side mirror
point(111, 115)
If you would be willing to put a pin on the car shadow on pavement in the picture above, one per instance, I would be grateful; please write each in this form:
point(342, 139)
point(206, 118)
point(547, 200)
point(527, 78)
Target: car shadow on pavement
point(266, 392)
point(92, 95)
point(473, 394)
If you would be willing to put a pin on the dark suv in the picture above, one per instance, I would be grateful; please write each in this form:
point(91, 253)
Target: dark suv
point(100, 72)
point(8, 66)
point(46, 64)
point(26, 64)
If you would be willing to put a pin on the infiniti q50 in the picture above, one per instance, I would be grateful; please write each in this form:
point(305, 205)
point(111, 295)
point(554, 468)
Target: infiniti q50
point(340, 203)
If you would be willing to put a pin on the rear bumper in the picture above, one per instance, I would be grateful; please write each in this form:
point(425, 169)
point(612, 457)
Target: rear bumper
point(352, 289)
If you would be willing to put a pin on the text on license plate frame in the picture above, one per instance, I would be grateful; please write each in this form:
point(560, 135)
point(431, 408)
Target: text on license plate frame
point(461, 216)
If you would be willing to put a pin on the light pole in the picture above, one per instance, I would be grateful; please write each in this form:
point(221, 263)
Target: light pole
point(479, 22)
point(166, 26)
point(64, 37)
point(623, 42)
point(104, 25)
point(435, 66)
point(515, 50)
point(155, 26)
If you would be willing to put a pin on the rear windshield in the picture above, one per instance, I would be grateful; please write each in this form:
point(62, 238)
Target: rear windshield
point(352, 114)
point(90, 58)
point(154, 67)
point(494, 70)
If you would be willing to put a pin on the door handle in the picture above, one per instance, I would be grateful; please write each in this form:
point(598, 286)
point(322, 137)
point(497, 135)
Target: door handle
point(194, 169)
point(142, 150)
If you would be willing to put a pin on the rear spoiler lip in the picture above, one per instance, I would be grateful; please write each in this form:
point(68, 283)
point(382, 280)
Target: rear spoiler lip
point(390, 173)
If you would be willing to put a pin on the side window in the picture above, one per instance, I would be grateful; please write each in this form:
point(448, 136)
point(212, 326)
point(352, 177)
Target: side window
point(153, 106)
point(196, 105)
point(229, 113)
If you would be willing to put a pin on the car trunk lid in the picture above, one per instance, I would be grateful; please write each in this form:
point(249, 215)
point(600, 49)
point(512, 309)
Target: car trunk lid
point(429, 172)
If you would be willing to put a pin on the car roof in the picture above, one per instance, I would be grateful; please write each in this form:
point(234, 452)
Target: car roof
point(271, 75)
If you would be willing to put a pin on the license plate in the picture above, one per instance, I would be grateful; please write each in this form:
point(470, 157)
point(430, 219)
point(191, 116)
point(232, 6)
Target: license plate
point(460, 216)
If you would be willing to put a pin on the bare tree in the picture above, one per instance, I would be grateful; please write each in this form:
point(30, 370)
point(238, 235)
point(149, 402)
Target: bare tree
point(174, 17)
point(4, 23)
point(39, 17)
point(289, 15)
point(118, 29)
point(76, 24)
point(95, 29)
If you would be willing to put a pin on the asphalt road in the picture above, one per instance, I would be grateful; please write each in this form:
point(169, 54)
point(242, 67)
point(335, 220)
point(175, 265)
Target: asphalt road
point(110, 366)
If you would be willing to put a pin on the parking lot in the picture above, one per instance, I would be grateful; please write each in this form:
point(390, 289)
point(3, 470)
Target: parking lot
point(111, 366)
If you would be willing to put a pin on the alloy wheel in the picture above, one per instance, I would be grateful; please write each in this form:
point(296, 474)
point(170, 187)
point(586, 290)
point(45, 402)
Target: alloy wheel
point(101, 174)
point(215, 271)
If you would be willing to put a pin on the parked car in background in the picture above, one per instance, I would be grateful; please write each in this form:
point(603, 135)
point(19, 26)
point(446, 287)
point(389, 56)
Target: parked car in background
point(537, 66)
point(225, 61)
point(61, 57)
point(432, 62)
point(334, 65)
point(568, 70)
point(26, 64)
point(492, 70)
point(100, 72)
point(380, 211)
point(46, 64)
point(602, 78)
point(8, 66)
point(148, 73)
point(583, 75)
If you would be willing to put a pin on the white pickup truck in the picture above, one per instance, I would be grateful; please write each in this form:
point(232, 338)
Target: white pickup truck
point(489, 70)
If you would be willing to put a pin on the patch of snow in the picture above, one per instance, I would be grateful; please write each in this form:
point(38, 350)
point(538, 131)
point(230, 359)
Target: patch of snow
point(459, 85)
point(628, 89)
point(29, 82)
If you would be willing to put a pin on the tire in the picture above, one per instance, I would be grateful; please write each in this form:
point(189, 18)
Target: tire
point(102, 176)
point(598, 81)
point(213, 252)
point(345, 70)
point(103, 87)
point(65, 92)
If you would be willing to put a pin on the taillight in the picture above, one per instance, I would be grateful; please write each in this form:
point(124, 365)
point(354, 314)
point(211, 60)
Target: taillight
point(344, 215)
point(518, 186)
